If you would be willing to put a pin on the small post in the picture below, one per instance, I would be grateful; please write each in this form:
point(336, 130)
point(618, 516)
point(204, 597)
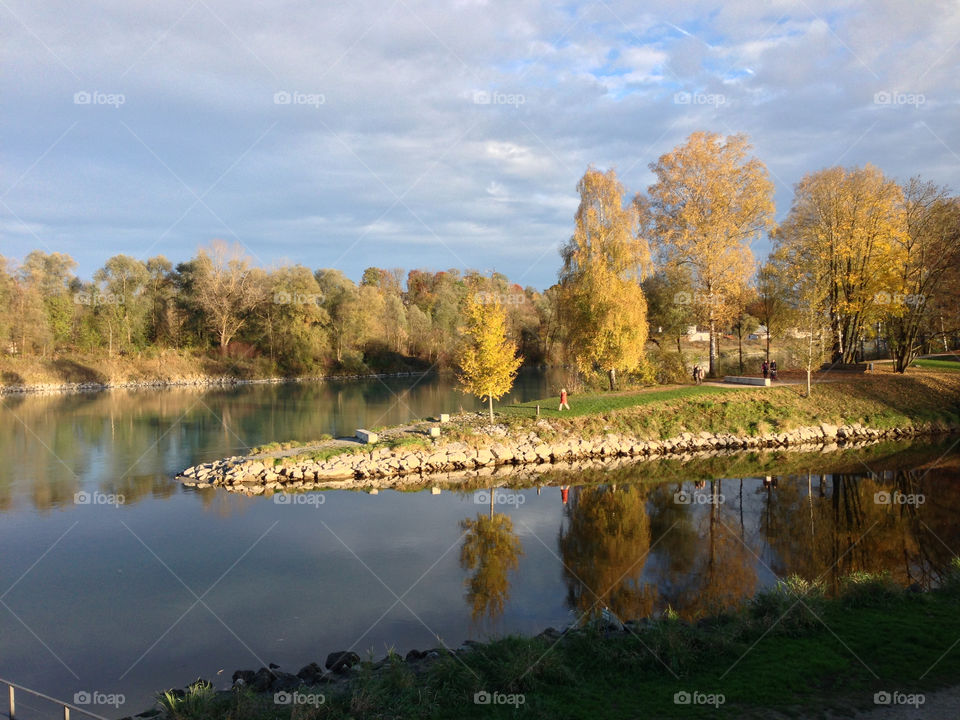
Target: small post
point(66, 713)
point(13, 707)
point(538, 411)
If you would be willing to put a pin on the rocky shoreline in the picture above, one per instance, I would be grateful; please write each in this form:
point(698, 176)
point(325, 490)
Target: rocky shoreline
point(508, 460)
point(202, 381)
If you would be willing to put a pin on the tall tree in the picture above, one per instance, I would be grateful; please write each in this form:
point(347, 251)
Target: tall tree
point(488, 361)
point(122, 280)
point(926, 253)
point(710, 200)
point(226, 289)
point(770, 303)
point(850, 223)
point(603, 307)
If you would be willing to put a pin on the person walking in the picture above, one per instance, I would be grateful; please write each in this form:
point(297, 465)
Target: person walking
point(773, 369)
point(563, 399)
point(765, 369)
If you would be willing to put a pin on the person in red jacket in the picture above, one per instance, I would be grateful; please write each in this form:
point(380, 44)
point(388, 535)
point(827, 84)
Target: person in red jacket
point(563, 399)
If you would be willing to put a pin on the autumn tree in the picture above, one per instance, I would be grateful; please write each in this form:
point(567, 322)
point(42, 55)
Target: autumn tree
point(46, 299)
point(490, 551)
point(119, 300)
point(226, 289)
point(602, 304)
point(770, 303)
point(710, 200)
point(850, 224)
point(926, 252)
point(488, 361)
point(292, 320)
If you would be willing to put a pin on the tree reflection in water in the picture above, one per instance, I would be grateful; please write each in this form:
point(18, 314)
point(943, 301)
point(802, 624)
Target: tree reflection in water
point(490, 551)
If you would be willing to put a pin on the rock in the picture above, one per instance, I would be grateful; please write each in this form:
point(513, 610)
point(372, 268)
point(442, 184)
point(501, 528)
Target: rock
point(551, 634)
point(245, 676)
point(262, 680)
point(311, 673)
point(415, 655)
point(273, 666)
point(341, 661)
point(284, 681)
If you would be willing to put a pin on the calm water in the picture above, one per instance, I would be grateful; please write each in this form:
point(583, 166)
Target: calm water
point(173, 583)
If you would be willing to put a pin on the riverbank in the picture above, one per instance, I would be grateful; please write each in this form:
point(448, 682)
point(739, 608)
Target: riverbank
point(790, 650)
point(157, 369)
point(685, 422)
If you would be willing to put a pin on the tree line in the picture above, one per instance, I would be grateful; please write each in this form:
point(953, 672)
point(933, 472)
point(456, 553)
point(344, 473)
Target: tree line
point(299, 319)
point(858, 254)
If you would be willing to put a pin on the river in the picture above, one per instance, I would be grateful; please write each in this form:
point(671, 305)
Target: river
point(115, 579)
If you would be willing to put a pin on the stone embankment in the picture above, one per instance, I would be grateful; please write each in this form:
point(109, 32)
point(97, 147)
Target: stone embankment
point(199, 381)
point(459, 462)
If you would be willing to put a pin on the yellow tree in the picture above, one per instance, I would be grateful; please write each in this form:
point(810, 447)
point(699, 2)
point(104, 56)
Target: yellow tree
point(709, 202)
point(491, 551)
point(850, 224)
point(488, 361)
point(603, 306)
point(927, 252)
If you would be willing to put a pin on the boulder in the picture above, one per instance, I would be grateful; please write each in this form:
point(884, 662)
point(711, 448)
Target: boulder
point(341, 661)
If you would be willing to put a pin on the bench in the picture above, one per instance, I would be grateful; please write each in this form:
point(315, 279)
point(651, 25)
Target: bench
point(743, 380)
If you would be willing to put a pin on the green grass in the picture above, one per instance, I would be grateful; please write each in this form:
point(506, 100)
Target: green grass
point(774, 653)
point(932, 364)
point(605, 402)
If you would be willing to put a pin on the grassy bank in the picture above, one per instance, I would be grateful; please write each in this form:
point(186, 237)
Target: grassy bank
point(882, 400)
point(788, 649)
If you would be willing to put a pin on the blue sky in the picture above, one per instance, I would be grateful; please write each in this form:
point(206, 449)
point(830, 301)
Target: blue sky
point(434, 134)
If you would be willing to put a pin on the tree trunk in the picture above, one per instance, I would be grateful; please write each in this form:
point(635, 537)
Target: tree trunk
point(612, 374)
point(768, 344)
point(740, 345)
point(713, 349)
point(490, 398)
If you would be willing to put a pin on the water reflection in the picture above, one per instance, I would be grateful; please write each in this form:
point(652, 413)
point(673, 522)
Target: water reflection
point(604, 541)
point(490, 552)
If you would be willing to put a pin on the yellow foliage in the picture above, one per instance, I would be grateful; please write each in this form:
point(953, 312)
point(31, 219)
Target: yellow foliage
point(605, 312)
point(488, 361)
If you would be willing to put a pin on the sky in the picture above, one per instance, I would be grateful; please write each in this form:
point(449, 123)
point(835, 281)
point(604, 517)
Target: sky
point(403, 133)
